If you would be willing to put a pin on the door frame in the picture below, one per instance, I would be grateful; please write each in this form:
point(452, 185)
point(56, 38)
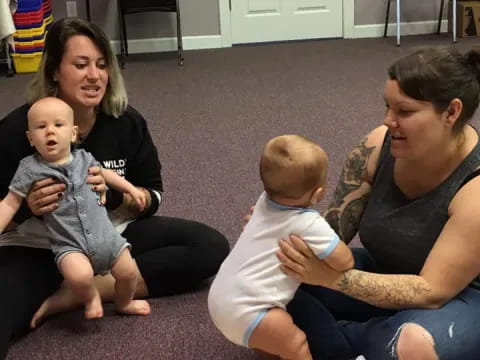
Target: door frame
point(226, 30)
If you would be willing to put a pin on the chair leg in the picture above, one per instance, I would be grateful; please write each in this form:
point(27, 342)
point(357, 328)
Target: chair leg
point(124, 29)
point(386, 18)
point(454, 22)
point(87, 5)
point(398, 22)
point(121, 25)
point(9, 60)
point(440, 16)
point(179, 37)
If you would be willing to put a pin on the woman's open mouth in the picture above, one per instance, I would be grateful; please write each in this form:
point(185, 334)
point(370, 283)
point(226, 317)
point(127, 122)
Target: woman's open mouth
point(91, 90)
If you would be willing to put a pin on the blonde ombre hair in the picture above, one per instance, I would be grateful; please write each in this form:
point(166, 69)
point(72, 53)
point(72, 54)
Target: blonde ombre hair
point(42, 85)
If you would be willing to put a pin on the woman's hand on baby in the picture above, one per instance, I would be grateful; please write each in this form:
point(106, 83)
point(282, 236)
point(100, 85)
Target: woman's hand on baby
point(44, 195)
point(96, 180)
point(300, 262)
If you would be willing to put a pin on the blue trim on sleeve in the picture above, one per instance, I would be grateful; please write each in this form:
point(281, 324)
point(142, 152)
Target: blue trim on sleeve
point(331, 247)
point(278, 206)
point(252, 326)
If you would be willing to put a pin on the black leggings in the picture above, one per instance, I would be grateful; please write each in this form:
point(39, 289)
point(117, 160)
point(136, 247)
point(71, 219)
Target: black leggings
point(173, 255)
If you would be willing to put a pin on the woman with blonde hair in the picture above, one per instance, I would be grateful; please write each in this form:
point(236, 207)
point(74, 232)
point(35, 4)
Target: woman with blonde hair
point(173, 255)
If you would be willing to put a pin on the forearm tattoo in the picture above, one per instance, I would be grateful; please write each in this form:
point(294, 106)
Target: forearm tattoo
point(344, 214)
point(385, 291)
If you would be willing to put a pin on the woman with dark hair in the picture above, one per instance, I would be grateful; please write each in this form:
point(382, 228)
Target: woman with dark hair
point(411, 191)
point(173, 255)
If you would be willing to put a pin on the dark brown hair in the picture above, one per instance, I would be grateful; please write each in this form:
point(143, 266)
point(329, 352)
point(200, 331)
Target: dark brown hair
point(439, 75)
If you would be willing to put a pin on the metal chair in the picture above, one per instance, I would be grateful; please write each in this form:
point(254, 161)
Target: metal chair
point(126, 7)
point(5, 56)
point(454, 19)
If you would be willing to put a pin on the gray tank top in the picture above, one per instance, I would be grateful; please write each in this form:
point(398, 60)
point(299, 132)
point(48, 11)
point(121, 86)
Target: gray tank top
point(399, 232)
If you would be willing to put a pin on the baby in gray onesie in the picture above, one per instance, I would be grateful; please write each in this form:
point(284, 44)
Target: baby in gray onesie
point(83, 239)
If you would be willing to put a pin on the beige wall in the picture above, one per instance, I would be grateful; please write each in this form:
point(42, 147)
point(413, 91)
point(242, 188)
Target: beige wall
point(198, 18)
point(201, 17)
point(373, 11)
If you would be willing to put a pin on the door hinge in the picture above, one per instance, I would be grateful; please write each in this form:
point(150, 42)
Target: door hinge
point(230, 4)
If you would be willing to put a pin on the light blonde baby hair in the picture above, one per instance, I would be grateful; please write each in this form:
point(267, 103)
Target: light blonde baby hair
point(292, 165)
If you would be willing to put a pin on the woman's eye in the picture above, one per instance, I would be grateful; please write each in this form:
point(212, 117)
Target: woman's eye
point(102, 66)
point(80, 66)
point(405, 112)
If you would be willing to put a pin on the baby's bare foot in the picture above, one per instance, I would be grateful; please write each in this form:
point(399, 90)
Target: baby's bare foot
point(62, 300)
point(135, 307)
point(94, 308)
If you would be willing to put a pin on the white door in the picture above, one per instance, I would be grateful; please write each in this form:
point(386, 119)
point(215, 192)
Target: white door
point(277, 20)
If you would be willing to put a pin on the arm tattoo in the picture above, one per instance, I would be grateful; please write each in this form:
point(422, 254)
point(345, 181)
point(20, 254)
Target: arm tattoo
point(352, 214)
point(385, 291)
point(343, 214)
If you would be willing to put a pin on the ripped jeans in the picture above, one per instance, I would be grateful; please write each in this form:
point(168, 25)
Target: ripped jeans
point(339, 327)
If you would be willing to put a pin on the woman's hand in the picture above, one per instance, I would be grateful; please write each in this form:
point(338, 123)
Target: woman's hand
point(97, 182)
point(247, 217)
point(43, 196)
point(299, 261)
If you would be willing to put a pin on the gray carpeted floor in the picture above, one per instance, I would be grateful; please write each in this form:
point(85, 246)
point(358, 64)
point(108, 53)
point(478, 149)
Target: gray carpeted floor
point(210, 120)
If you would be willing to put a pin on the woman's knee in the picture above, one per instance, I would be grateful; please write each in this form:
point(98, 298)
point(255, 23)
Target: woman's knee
point(211, 245)
point(414, 342)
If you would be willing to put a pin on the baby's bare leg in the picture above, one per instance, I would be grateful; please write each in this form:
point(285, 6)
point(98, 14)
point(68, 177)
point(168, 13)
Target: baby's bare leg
point(278, 335)
point(126, 274)
point(78, 274)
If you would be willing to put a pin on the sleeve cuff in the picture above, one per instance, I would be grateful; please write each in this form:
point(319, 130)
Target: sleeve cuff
point(156, 199)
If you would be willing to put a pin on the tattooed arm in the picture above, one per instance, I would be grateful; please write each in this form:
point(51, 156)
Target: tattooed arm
point(450, 267)
point(351, 194)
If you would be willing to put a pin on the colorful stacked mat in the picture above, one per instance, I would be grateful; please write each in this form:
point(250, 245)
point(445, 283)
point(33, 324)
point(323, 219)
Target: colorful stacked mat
point(32, 20)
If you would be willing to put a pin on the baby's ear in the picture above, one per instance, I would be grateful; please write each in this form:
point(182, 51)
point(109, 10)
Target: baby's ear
point(29, 137)
point(317, 195)
point(74, 133)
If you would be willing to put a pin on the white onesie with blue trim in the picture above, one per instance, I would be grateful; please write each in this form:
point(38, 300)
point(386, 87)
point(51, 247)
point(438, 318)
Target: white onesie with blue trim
point(250, 281)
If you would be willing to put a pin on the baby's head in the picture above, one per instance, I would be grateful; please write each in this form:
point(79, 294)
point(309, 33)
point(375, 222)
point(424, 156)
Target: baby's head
point(51, 129)
point(293, 170)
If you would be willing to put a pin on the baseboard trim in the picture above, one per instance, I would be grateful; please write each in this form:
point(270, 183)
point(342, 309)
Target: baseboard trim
point(136, 46)
point(410, 28)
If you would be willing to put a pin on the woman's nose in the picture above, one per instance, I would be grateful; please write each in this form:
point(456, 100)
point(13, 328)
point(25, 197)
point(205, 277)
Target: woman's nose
point(92, 73)
point(390, 119)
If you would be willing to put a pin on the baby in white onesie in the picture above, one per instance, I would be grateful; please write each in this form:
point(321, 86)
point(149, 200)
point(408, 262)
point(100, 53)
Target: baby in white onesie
point(248, 297)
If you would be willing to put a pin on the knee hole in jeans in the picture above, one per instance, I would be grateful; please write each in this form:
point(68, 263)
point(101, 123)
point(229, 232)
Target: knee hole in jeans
point(412, 341)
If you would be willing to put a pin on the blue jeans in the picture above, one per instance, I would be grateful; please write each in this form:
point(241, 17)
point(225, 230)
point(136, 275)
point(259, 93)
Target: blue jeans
point(339, 327)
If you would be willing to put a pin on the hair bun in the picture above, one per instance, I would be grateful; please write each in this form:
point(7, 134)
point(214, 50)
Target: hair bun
point(473, 59)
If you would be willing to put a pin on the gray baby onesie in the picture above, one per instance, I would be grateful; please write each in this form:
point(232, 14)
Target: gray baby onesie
point(80, 223)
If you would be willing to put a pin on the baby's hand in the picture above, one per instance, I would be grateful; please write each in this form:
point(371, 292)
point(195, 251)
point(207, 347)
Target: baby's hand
point(138, 197)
